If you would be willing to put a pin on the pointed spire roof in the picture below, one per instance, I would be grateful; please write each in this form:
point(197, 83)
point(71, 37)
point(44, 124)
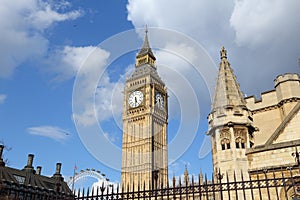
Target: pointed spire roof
point(174, 180)
point(186, 172)
point(186, 175)
point(227, 92)
point(146, 49)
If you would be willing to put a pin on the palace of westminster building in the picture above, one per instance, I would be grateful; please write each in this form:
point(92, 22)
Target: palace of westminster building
point(247, 135)
point(251, 140)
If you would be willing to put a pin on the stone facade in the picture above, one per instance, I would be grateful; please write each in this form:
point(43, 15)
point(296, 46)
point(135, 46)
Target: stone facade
point(277, 117)
point(145, 118)
point(251, 135)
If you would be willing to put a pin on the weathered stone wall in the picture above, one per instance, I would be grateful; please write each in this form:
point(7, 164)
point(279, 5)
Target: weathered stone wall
point(274, 106)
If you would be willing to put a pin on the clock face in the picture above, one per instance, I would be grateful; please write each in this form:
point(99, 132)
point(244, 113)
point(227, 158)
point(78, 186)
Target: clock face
point(159, 101)
point(135, 99)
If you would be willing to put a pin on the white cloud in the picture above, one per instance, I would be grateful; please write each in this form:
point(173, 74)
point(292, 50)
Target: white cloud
point(66, 61)
point(86, 63)
point(22, 38)
point(192, 17)
point(44, 16)
point(177, 67)
point(96, 98)
point(106, 103)
point(52, 132)
point(263, 22)
point(2, 98)
point(111, 137)
point(22, 24)
point(109, 99)
point(178, 13)
point(260, 36)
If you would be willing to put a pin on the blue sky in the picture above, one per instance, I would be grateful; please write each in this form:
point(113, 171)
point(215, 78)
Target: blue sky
point(47, 47)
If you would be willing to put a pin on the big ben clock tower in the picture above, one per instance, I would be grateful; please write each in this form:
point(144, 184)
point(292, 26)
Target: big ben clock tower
point(145, 120)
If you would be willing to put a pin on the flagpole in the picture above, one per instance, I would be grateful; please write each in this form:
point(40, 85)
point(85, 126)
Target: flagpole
point(73, 179)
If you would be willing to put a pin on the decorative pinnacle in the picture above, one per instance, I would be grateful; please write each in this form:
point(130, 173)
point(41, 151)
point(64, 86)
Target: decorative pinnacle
point(223, 53)
point(146, 47)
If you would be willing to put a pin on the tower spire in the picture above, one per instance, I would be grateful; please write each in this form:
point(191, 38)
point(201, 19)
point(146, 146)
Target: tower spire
point(145, 47)
point(230, 123)
point(186, 175)
point(227, 92)
point(145, 54)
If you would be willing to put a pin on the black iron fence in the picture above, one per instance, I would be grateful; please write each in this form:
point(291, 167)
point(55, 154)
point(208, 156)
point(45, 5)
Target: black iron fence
point(282, 184)
point(14, 191)
point(275, 184)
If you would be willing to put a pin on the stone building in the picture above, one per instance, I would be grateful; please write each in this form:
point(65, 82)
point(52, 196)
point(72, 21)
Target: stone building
point(29, 183)
point(277, 116)
point(254, 136)
point(249, 136)
point(230, 123)
point(145, 119)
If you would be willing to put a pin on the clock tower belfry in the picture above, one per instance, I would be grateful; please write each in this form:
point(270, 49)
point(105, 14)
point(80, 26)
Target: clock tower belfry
point(145, 120)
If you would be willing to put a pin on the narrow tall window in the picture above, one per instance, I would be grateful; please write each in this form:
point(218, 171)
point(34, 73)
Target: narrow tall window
point(225, 144)
point(240, 143)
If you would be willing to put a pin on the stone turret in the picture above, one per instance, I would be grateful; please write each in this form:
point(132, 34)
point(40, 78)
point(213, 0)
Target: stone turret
point(228, 105)
point(230, 123)
point(287, 86)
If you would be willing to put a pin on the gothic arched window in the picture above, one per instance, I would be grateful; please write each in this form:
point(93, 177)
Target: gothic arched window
point(225, 143)
point(240, 143)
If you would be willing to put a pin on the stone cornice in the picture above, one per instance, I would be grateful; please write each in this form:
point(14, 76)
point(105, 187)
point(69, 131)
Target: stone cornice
point(275, 106)
point(271, 147)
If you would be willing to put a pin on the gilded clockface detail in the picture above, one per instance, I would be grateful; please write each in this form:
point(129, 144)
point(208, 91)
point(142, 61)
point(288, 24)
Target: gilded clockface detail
point(135, 99)
point(159, 100)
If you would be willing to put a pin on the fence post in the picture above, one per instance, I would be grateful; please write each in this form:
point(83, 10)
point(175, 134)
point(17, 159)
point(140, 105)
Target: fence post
point(213, 185)
point(193, 187)
point(258, 183)
point(200, 185)
point(243, 184)
point(206, 187)
point(275, 184)
point(284, 184)
point(174, 184)
point(228, 188)
point(220, 177)
point(168, 187)
point(267, 184)
point(235, 185)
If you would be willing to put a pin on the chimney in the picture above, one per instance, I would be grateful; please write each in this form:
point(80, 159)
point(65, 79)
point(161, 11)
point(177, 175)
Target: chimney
point(30, 160)
point(2, 163)
point(58, 168)
point(29, 166)
point(57, 172)
point(38, 170)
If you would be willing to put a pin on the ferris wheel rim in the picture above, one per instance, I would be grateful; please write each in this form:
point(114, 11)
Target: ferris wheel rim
point(87, 173)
